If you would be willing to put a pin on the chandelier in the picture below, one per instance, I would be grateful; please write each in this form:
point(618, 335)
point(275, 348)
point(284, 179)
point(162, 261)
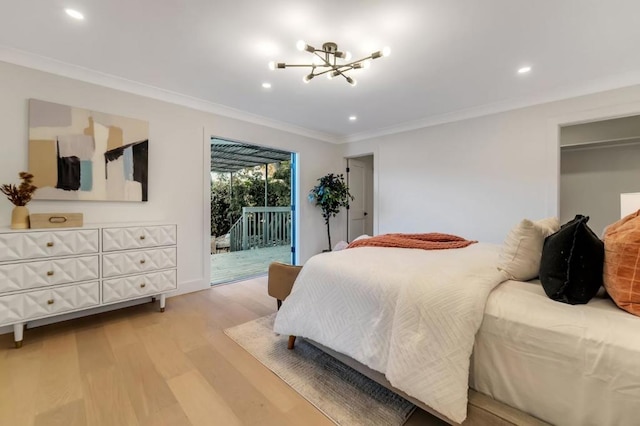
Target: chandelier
point(325, 61)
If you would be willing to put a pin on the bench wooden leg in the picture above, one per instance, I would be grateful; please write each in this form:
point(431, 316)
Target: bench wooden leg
point(292, 342)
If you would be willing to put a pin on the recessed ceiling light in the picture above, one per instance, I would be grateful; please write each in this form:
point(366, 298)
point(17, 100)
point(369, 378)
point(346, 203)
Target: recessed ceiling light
point(353, 118)
point(266, 85)
point(524, 70)
point(74, 14)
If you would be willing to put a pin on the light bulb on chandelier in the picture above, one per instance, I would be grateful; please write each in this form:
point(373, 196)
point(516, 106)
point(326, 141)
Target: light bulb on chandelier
point(325, 61)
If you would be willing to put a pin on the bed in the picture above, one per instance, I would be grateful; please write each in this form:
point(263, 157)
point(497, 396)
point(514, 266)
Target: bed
point(542, 357)
point(573, 365)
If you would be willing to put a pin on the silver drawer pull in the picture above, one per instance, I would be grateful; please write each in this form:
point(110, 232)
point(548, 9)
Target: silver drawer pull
point(142, 237)
point(142, 261)
point(49, 273)
point(143, 285)
point(50, 302)
point(50, 244)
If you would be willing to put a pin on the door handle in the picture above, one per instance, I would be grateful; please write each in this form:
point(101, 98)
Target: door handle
point(365, 213)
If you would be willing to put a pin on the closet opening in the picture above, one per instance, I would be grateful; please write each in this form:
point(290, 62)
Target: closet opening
point(600, 170)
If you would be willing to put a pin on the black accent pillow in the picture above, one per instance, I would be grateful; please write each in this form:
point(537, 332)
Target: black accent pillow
point(572, 263)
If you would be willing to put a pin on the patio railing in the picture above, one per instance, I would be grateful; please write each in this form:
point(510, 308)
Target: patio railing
point(261, 227)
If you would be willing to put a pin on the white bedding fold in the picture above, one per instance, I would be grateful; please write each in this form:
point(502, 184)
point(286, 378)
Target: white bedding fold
point(410, 314)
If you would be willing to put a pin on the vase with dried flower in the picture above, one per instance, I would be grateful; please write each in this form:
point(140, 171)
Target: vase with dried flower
point(20, 195)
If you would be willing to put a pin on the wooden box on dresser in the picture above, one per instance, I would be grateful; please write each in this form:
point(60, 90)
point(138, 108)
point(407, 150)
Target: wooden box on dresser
point(51, 272)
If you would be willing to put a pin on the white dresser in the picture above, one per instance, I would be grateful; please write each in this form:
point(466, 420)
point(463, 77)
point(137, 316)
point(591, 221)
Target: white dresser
point(52, 272)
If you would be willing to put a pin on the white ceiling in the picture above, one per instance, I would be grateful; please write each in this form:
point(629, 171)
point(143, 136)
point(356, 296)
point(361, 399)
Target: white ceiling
point(450, 58)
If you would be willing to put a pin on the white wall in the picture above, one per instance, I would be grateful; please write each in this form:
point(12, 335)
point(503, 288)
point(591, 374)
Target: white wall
point(478, 177)
point(177, 182)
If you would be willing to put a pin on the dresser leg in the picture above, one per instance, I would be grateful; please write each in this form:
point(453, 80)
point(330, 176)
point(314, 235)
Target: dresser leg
point(163, 299)
point(18, 330)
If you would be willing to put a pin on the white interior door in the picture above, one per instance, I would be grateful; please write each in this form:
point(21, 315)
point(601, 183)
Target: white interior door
point(357, 188)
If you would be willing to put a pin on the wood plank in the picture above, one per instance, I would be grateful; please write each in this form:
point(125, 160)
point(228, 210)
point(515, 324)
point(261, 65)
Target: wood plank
point(188, 331)
point(172, 415)
point(70, 414)
point(59, 381)
point(106, 399)
point(19, 374)
point(94, 350)
point(145, 315)
point(254, 298)
point(201, 403)
point(120, 333)
point(164, 353)
point(246, 400)
point(271, 386)
point(146, 388)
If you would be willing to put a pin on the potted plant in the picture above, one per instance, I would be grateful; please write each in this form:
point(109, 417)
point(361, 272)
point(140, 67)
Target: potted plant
point(331, 194)
point(20, 195)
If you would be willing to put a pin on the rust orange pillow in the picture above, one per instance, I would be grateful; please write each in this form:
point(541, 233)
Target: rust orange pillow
point(622, 262)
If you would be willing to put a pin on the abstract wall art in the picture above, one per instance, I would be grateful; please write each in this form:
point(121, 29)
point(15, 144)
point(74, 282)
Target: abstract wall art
point(78, 154)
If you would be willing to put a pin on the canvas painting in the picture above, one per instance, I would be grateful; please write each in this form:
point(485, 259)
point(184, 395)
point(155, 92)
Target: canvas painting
point(78, 154)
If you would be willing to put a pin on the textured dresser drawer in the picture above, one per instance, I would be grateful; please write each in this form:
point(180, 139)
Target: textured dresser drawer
point(34, 245)
point(22, 276)
point(131, 262)
point(138, 237)
point(138, 285)
point(42, 303)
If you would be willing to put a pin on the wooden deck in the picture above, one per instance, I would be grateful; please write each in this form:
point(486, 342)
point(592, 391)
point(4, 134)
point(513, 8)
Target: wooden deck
point(237, 265)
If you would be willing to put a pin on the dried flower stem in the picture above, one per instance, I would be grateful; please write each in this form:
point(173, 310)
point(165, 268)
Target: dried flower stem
point(20, 195)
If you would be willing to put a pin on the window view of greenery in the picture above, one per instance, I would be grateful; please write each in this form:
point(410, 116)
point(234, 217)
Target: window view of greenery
point(246, 188)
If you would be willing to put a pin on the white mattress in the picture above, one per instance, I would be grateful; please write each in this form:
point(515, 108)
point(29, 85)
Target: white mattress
point(567, 365)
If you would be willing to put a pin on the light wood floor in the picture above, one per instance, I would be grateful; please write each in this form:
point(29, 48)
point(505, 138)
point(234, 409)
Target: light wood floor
point(136, 366)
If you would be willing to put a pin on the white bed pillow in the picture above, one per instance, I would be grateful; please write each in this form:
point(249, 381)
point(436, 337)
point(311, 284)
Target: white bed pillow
point(522, 249)
point(550, 225)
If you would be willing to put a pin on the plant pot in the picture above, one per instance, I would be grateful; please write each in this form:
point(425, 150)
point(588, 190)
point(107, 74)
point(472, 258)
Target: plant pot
point(20, 218)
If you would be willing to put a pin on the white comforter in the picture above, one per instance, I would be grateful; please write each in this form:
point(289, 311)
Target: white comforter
point(409, 314)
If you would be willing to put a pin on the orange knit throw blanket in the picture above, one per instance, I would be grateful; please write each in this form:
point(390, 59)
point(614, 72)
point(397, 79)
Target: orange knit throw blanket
point(431, 241)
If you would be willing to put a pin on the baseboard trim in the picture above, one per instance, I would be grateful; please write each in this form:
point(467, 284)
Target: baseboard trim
point(190, 287)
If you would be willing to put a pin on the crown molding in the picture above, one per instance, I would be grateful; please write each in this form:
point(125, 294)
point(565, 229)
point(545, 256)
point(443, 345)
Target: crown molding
point(87, 75)
point(617, 81)
point(53, 66)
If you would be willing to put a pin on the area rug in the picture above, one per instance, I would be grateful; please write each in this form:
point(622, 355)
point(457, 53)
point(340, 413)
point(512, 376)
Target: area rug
point(341, 393)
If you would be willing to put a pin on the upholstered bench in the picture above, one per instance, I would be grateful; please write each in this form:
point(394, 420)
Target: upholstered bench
point(279, 284)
